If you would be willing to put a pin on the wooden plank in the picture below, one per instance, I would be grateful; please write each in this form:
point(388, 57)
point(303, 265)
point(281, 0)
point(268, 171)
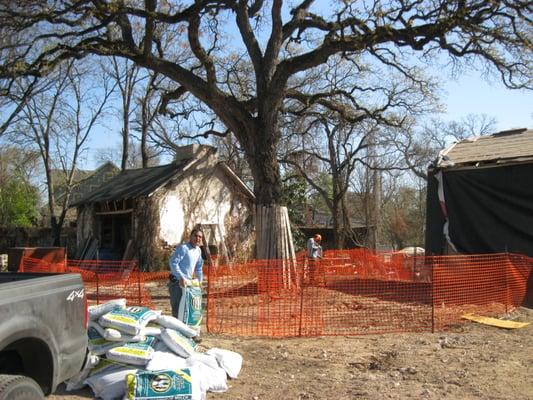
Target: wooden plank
point(284, 266)
point(129, 210)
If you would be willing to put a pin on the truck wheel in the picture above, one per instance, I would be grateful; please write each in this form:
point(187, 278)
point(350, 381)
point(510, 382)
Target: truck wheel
point(18, 387)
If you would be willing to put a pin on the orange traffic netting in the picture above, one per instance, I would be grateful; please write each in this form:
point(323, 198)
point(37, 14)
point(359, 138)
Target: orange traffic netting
point(359, 292)
point(103, 279)
point(349, 292)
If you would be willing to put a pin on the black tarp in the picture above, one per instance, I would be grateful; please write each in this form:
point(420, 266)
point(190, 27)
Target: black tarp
point(490, 210)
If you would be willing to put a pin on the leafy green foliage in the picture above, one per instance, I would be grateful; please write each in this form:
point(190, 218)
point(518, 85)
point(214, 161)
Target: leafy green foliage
point(18, 202)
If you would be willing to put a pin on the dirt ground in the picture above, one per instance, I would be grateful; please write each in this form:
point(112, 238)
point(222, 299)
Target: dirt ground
point(472, 361)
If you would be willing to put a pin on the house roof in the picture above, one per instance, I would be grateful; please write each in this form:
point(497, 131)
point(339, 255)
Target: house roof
point(134, 183)
point(80, 174)
point(504, 147)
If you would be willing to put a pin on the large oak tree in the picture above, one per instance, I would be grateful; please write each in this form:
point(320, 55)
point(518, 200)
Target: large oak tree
point(276, 40)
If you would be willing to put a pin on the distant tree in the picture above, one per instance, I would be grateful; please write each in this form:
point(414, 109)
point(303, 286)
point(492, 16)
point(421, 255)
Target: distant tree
point(57, 123)
point(19, 202)
point(404, 217)
point(135, 158)
point(126, 75)
point(420, 144)
point(19, 198)
point(232, 154)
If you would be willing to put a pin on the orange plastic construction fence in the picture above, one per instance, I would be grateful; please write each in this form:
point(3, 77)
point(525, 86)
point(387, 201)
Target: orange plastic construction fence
point(348, 292)
point(103, 279)
point(359, 292)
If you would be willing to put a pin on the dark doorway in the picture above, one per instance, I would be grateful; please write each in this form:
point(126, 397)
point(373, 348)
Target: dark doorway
point(115, 232)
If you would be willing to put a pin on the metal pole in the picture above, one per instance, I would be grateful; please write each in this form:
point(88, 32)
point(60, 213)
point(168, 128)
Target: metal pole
point(302, 286)
point(209, 266)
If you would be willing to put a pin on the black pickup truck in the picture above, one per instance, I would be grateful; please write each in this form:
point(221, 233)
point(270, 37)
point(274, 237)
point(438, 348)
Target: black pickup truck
point(43, 332)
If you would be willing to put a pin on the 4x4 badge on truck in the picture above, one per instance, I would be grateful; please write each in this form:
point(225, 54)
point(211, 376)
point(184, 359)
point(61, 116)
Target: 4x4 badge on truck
point(75, 294)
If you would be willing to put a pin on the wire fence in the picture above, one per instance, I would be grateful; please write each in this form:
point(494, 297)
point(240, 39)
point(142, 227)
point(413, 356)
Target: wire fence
point(348, 292)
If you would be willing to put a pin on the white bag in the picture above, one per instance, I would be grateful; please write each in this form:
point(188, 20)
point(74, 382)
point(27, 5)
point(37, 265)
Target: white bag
point(97, 344)
point(164, 385)
point(179, 344)
point(229, 360)
point(204, 358)
point(110, 386)
point(190, 305)
point(151, 329)
point(165, 360)
point(96, 312)
point(105, 366)
point(133, 353)
point(169, 321)
point(97, 327)
point(114, 335)
point(214, 378)
point(130, 320)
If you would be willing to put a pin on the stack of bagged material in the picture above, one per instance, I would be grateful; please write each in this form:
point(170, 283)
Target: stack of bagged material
point(137, 353)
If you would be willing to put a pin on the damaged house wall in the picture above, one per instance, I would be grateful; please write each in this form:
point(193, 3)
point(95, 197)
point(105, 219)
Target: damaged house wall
point(157, 207)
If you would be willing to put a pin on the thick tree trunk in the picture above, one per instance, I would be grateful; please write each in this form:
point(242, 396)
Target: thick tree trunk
point(264, 166)
point(341, 226)
point(273, 232)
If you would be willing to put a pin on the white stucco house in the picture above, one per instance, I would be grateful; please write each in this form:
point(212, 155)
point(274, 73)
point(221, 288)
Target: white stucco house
point(144, 213)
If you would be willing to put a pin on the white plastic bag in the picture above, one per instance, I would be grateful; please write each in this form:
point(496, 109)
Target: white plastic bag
point(110, 386)
point(190, 305)
point(213, 377)
point(179, 344)
point(105, 366)
point(96, 312)
point(133, 353)
point(164, 385)
point(169, 321)
point(130, 320)
point(152, 329)
point(114, 335)
point(165, 360)
point(97, 343)
point(229, 360)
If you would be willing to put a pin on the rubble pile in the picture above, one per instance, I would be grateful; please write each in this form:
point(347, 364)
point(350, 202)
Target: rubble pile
point(138, 353)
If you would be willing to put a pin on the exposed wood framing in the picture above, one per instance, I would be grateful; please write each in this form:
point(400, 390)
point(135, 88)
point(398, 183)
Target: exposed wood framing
point(129, 210)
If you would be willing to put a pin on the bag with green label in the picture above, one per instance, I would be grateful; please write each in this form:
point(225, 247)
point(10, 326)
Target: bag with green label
point(163, 385)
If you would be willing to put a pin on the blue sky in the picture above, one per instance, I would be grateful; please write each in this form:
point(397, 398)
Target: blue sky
point(472, 95)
